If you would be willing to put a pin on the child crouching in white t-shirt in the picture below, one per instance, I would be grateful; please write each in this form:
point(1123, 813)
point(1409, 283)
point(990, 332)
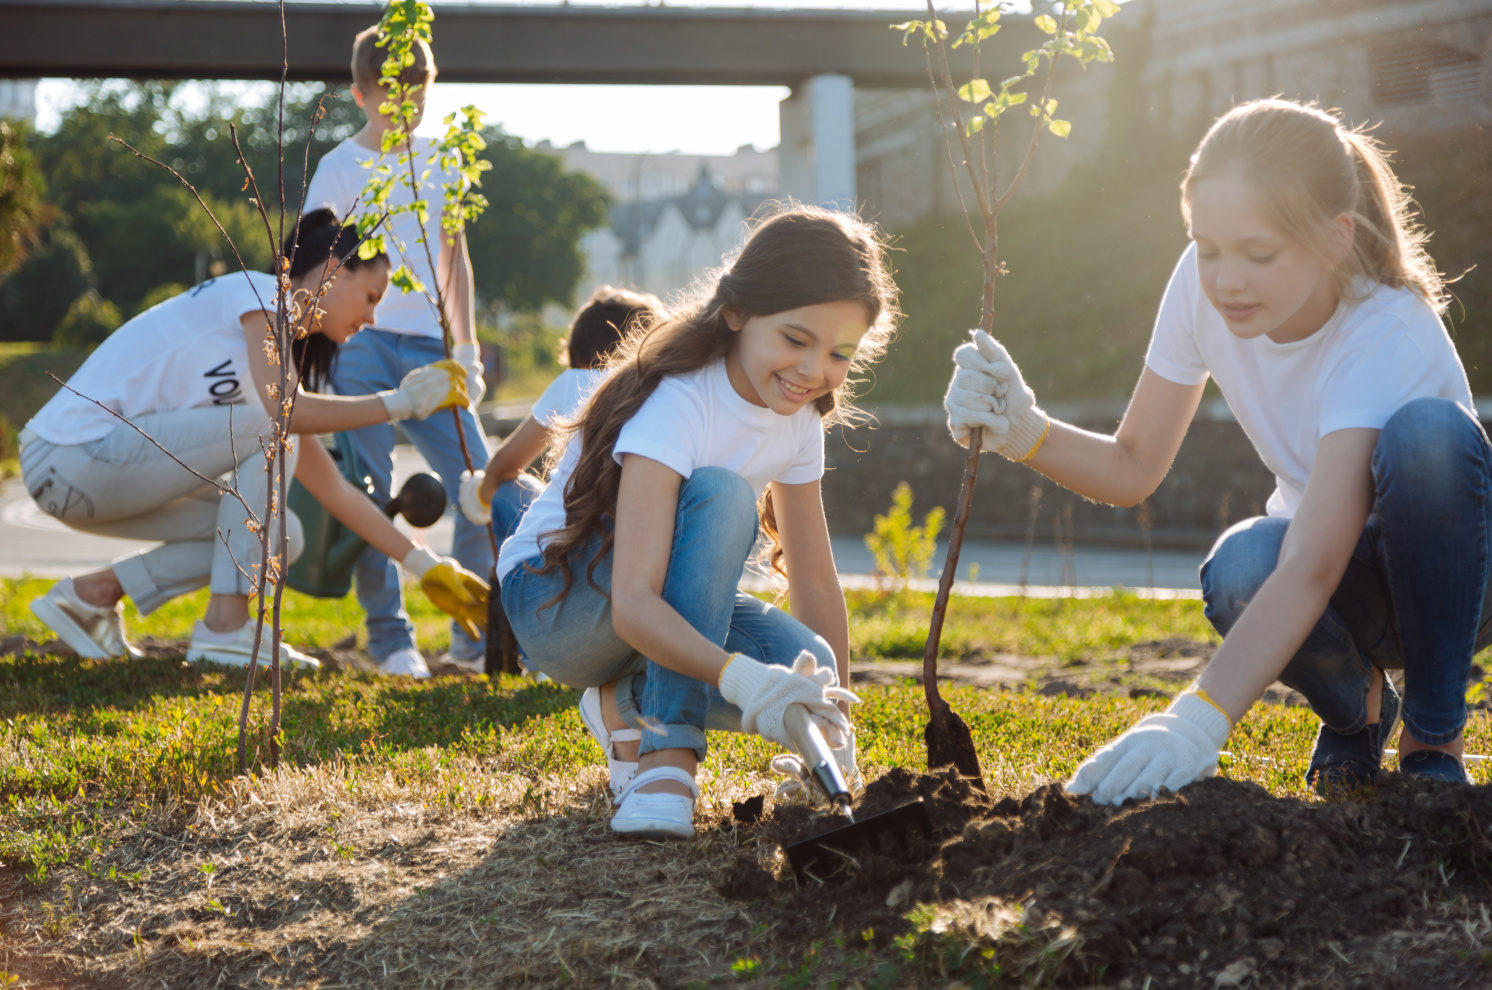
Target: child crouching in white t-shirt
point(192, 373)
point(501, 492)
point(1308, 297)
point(623, 574)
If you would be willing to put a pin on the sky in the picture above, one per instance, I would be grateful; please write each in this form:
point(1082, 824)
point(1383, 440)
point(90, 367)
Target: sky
point(708, 120)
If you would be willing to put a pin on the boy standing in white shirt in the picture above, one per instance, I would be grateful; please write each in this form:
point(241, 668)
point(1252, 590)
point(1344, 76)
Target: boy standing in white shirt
point(406, 334)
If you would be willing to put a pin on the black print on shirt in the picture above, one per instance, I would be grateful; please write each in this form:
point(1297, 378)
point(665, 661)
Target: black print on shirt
point(225, 390)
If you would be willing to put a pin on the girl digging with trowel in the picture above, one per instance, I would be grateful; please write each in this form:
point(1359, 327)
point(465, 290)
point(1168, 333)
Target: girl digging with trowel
point(622, 577)
point(1307, 295)
point(184, 372)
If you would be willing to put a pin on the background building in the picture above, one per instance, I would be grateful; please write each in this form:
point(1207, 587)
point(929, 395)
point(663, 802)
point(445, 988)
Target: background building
point(1415, 66)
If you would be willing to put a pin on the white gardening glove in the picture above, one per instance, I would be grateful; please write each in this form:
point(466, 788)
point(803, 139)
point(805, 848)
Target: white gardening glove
point(987, 390)
point(763, 691)
point(470, 499)
point(469, 356)
point(424, 390)
point(1169, 750)
point(791, 766)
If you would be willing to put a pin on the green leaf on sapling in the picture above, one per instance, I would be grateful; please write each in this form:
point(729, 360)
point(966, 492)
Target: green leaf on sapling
point(974, 125)
point(974, 91)
point(1107, 8)
point(1046, 24)
point(1059, 128)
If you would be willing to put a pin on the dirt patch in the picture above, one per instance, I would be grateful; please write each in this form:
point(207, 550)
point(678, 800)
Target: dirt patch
point(1220, 885)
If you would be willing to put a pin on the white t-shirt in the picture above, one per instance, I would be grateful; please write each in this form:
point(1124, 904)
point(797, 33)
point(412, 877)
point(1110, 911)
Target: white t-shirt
point(565, 395)
point(691, 421)
point(339, 180)
point(1369, 359)
point(186, 352)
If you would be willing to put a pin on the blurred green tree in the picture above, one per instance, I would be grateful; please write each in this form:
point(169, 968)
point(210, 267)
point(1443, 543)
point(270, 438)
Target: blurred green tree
point(24, 213)
point(35, 297)
point(525, 249)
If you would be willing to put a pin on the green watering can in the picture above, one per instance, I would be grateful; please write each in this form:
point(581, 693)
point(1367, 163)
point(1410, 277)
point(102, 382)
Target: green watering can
point(325, 567)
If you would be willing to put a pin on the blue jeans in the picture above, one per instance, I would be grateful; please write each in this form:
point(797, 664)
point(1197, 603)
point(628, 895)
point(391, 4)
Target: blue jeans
point(372, 361)
point(510, 503)
point(1415, 593)
point(573, 641)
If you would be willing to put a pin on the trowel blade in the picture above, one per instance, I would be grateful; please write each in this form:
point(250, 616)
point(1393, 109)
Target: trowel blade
point(892, 832)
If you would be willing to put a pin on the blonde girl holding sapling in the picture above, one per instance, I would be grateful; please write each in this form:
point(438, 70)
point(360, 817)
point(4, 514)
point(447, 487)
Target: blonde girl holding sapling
point(622, 576)
point(1307, 295)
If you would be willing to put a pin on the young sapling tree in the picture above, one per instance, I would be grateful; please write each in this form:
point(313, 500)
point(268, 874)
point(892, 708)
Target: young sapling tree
point(404, 24)
point(1071, 26)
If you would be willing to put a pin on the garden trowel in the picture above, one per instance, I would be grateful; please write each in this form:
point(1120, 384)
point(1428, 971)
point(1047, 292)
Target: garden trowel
point(890, 832)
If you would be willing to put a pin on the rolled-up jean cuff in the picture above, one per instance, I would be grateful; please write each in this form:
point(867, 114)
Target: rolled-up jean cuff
point(139, 587)
point(1433, 738)
point(671, 736)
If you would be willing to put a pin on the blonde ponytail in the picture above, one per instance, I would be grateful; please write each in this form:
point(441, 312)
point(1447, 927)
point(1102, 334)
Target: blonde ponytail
point(1308, 168)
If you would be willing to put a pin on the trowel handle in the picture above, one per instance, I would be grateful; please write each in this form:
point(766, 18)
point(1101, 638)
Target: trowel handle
point(817, 755)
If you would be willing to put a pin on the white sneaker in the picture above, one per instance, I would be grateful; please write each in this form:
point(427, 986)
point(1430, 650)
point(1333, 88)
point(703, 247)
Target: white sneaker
point(92, 631)
point(657, 816)
point(407, 662)
point(234, 650)
point(622, 771)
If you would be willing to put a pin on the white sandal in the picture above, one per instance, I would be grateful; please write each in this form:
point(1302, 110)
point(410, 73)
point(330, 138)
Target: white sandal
point(622, 771)
point(657, 816)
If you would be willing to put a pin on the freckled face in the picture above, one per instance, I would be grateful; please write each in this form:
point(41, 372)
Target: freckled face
point(350, 300)
point(786, 360)
point(1259, 280)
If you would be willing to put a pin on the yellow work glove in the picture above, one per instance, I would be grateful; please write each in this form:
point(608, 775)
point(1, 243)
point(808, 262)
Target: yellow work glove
point(424, 390)
point(451, 588)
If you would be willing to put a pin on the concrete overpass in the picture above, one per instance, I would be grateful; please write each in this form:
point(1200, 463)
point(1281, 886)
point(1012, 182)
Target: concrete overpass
point(240, 39)
point(821, 54)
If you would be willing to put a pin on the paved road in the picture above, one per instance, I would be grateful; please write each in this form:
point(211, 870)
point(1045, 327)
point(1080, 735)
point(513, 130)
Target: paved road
point(32, 542)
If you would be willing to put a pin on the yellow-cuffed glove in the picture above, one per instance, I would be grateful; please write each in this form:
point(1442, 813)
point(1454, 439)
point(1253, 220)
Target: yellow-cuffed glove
point(451, 588)
point(426, 389)
point(459, 395)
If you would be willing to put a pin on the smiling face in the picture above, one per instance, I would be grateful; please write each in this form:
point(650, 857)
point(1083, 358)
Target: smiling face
point(787, 360)
point(1261, 281)
point(351, 298)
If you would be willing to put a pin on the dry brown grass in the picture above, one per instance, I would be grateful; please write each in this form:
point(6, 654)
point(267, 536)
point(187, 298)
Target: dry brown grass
point(313, 884)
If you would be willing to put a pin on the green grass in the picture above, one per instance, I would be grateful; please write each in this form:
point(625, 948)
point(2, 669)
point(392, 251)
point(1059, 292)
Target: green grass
point(309, 622)
point(81, 739)
point(1066, 628)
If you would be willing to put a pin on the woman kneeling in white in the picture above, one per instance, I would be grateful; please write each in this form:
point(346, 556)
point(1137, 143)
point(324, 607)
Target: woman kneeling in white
point(182, 372)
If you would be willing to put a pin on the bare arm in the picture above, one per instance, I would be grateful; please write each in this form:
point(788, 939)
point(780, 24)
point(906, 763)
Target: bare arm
point(808, 558)
point(517, 452)
point(1123, 469)
point(456, 281)
point(1317, 548)
point(647, 502)
point(318, 473)
point(314, 413)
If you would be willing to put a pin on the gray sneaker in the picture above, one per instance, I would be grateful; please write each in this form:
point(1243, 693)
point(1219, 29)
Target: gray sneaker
point(92, 631)
point(207, 646)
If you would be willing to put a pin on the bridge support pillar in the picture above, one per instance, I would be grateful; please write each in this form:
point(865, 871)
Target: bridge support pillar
point(818, 142)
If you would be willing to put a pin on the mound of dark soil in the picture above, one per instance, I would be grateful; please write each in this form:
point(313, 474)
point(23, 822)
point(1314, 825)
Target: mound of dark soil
point(1219, 885)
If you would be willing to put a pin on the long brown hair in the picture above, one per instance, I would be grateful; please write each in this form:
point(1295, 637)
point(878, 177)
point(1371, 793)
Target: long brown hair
point(1307, 168)
point(799, 256)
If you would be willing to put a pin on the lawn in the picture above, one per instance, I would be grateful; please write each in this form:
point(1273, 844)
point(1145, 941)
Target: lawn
point(463, 821)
